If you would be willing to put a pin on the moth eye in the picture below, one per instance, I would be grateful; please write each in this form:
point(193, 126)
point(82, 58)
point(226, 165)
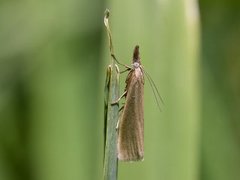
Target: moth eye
point(135, 65)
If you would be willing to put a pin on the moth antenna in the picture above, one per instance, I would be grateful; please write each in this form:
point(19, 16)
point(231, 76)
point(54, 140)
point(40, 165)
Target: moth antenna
point(155, 90)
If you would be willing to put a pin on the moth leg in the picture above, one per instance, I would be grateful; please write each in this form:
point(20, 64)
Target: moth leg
point(126, 66)
point(119, 116)
point(115, 102)
point(117, 124)
point(121, 108)
point(128, 69)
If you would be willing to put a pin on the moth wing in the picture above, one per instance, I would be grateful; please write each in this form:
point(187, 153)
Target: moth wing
point(131, 124)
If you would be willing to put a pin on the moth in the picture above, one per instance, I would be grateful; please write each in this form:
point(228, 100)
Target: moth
point(130, 142)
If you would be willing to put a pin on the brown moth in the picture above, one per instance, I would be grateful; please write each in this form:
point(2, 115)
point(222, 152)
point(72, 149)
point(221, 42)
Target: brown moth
point(131, 123)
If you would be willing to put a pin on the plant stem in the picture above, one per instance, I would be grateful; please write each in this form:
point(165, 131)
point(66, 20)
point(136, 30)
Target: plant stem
point(111, 112)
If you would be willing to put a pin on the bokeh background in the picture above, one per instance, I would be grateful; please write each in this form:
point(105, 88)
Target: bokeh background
point(53, 58)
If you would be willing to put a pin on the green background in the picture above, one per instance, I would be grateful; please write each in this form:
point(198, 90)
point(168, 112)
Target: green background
point(53, 59)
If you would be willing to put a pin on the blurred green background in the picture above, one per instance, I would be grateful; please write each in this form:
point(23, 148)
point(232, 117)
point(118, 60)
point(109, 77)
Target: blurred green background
point(53, 58)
